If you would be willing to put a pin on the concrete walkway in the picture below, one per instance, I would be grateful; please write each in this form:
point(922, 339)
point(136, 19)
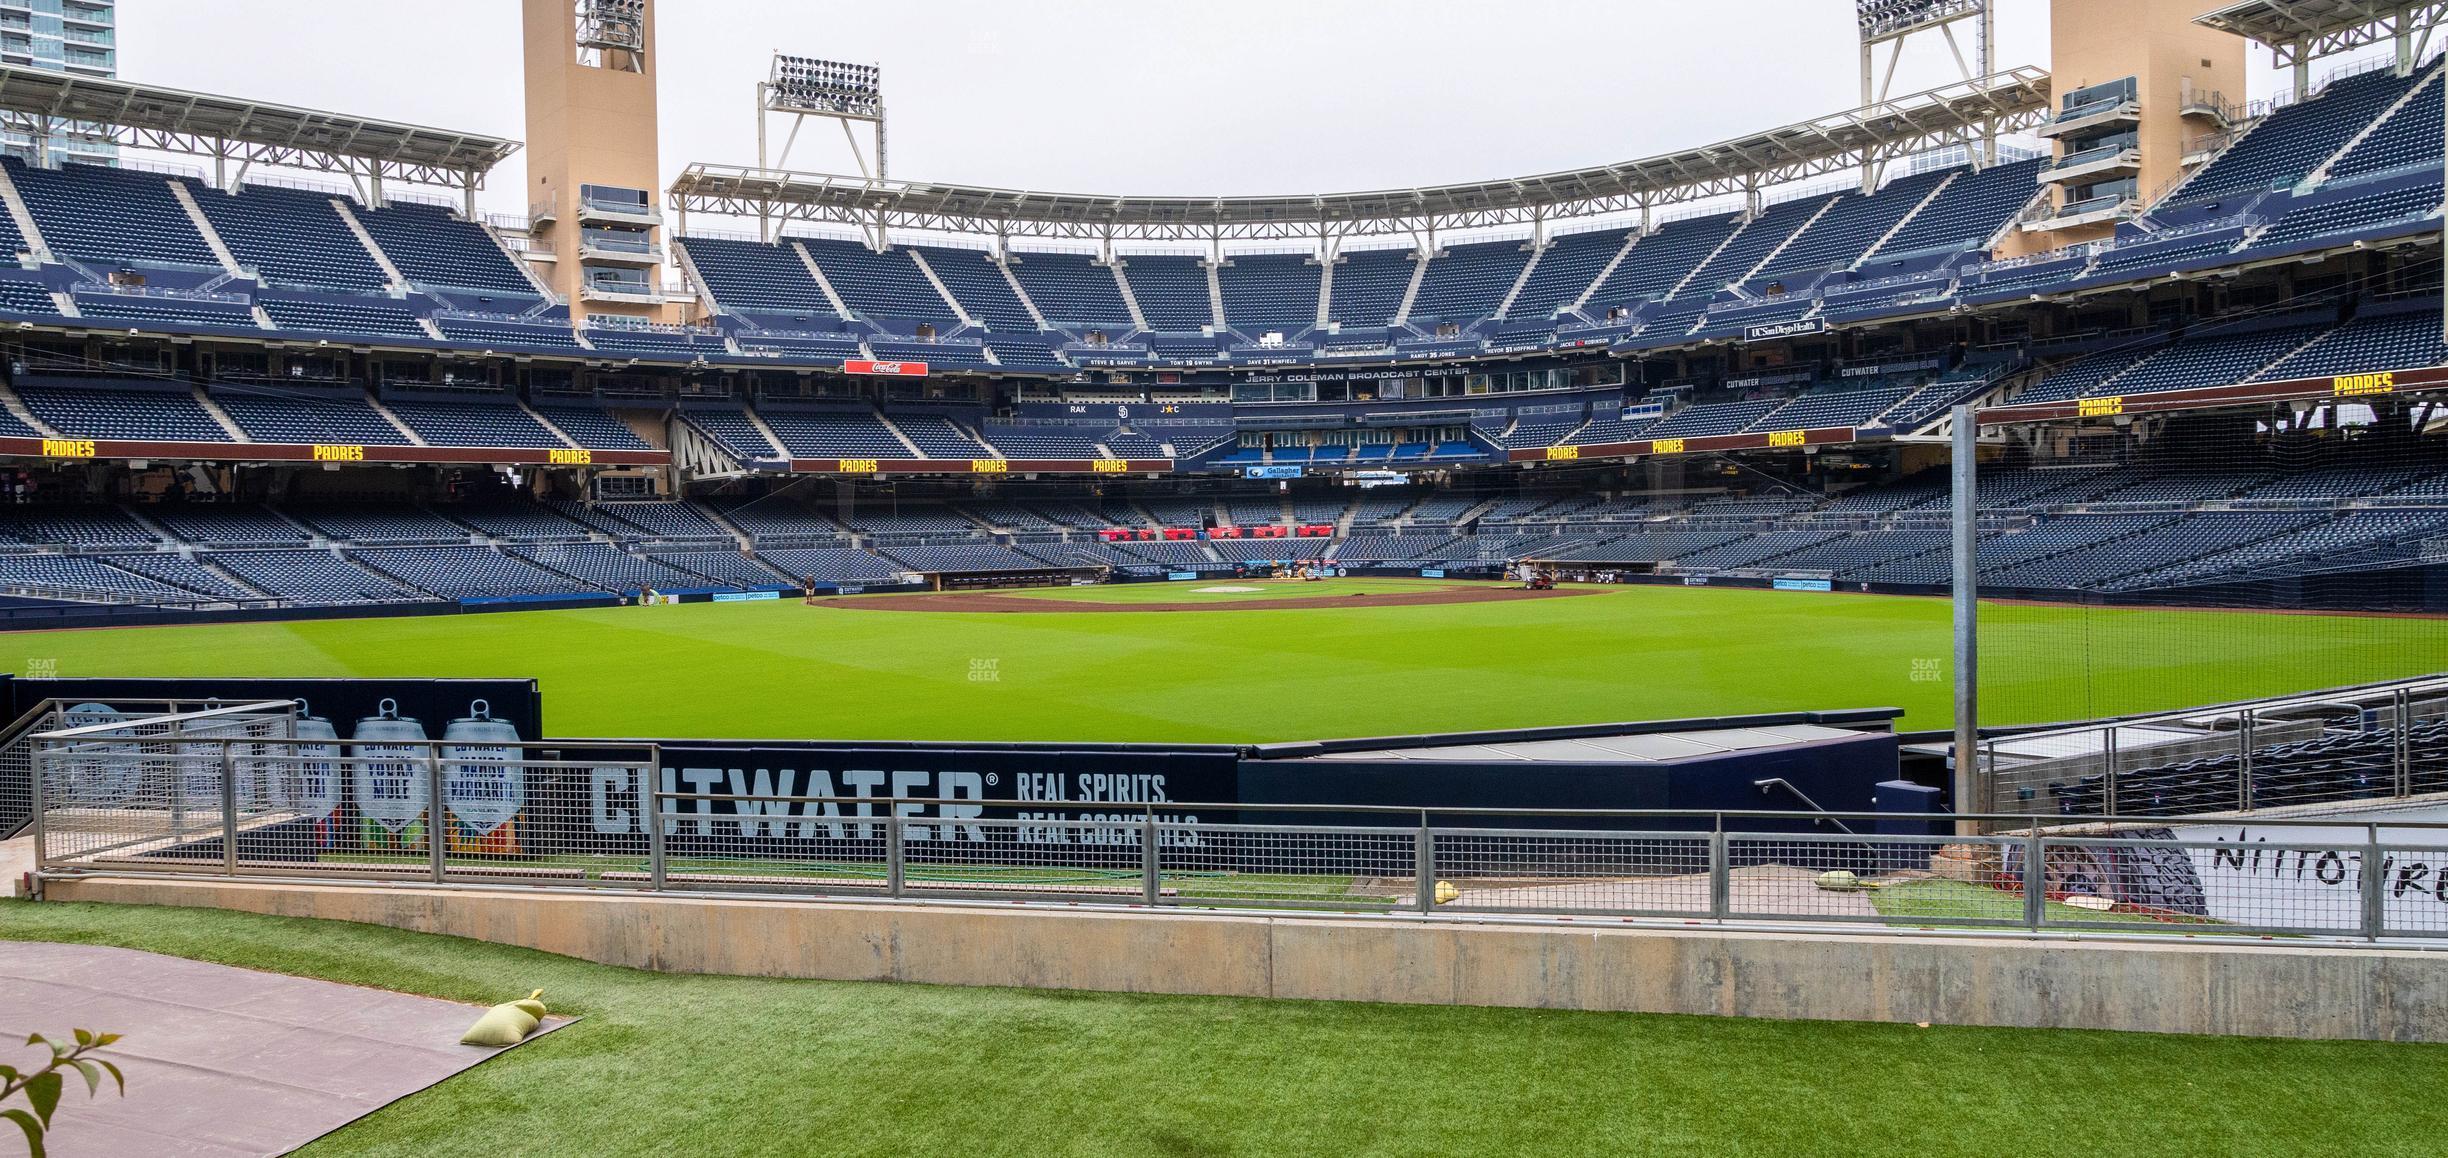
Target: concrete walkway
point(224, 1061)
point(16, 860)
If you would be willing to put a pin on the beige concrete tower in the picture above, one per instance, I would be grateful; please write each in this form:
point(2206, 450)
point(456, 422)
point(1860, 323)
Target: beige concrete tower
point(2141, 91)
point(593, 154)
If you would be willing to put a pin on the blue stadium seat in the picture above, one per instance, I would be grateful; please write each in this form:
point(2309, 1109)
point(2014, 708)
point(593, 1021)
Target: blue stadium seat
point(1071, 289)
point(1270, 291)
point(110, 216)
point(878, 285)
point(1171, 290)
point(757, 277)
point(435, 248)
point(291, 237)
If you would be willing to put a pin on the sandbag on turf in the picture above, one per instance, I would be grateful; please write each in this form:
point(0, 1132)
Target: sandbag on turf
point(508, 1023)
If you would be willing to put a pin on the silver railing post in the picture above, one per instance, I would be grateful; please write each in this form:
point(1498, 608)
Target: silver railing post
point(437, 816)
point(1988, 771)
point(177, 790)
point(229, 812)
point(658, 867)
point(35, 753)
point(1721, 878)
point(1149, 889)
point(2108, 753)
point(2246, 725)
point(2404, 747)
point(2035, 880)
point(1423, 862)
point(896, 852)
point(2375, 885)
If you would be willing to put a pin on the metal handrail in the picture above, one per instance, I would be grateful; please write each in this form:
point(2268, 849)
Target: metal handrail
point(1417, 847)
point(117, 729)
point(2025, 821)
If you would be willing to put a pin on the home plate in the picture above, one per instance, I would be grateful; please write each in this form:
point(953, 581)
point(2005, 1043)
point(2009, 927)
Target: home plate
point(1228, 590)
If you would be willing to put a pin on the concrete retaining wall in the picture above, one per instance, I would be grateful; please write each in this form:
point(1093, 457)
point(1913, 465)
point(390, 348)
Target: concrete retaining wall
point(2160, 987)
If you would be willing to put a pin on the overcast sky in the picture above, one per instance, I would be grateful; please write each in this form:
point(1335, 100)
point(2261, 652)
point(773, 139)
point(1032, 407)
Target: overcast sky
point(1111, 96)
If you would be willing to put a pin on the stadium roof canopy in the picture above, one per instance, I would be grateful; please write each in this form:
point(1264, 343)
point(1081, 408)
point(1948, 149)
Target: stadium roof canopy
point(2301, 31)
point(36, 102)
point(1963, 113)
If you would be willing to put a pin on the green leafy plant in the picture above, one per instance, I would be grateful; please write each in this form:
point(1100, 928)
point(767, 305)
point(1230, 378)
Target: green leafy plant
point(42, 1087)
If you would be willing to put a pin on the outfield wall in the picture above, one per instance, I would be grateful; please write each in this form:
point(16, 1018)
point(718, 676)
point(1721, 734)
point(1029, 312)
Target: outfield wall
point(2144, 984)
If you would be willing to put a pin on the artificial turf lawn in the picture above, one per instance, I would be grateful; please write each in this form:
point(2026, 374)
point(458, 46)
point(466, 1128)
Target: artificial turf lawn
point(783, 670)
point(721, 1065)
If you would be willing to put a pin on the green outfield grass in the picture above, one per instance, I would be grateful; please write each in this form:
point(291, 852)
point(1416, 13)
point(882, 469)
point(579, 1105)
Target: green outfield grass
point(778, 670)
point(667, 1065)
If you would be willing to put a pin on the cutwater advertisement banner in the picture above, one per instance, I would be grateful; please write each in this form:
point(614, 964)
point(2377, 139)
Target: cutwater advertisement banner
point(1059, 795)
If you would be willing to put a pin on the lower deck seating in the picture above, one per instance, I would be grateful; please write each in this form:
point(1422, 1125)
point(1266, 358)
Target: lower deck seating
point(467, 572)
point(475, 422)
point(135, 415)
point(247, 525)
point(180, 572)
point(609, 568)
point(829, 565)
point(970, 558)
point(729, 568)
point(836, 434)
point(79, 577)
point(593, 428)
point(269, 416)
point(379, 523)
point(311, 577)
point(73, 526)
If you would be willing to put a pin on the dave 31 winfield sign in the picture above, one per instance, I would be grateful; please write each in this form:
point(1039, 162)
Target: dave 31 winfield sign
point(885, 369)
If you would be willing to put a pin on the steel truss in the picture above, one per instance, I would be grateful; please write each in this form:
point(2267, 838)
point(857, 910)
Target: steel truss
point(2298, 32)
point(1963, 113)
point(45, 104)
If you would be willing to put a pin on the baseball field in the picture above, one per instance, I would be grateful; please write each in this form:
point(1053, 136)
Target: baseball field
point(1258, 660)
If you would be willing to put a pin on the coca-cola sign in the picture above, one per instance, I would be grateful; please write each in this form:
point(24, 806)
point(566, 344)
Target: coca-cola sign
point(885, 369)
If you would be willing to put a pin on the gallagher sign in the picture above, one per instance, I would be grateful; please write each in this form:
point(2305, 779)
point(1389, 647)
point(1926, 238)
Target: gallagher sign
point(885, 369)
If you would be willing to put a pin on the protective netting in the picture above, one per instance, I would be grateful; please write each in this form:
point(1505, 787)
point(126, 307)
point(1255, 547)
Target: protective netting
point(2135, 563)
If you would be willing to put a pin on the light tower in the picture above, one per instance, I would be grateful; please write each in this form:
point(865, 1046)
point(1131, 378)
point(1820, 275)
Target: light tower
point(594, 155)
point(847, 94)
point(1893, 23)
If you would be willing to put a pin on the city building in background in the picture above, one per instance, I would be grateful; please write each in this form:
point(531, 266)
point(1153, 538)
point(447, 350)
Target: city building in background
point(77, 36)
